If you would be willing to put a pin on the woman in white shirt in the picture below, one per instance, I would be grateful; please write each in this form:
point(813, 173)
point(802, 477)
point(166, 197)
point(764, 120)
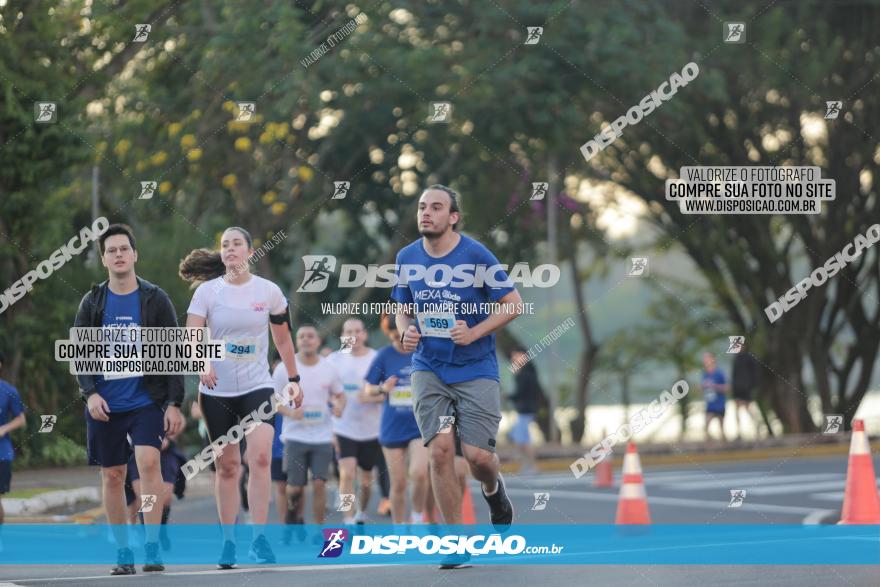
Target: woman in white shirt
point(241, 309)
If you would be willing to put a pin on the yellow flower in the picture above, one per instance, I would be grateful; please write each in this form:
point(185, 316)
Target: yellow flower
point(269, 197)
point(278, 208)
point(122, 147)
point(266, 138)
point(164, 187)
point(159, 158)
point(174, 128)
point(140, 166)
point(230, 181)
point(280, 131)
point(187, 141)
point(242, 144)
point(235, 126)
point(229, 106)
point(194, 154)
point(305, 173)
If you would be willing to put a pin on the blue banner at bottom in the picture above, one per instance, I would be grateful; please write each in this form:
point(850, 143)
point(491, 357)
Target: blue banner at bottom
point(481, 544)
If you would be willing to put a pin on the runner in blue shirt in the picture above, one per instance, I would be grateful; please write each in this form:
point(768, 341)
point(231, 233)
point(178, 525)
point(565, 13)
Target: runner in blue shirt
point(388, 381)
point(455, 381)
point(715, 387)
point(11, 417)
point(126, 412)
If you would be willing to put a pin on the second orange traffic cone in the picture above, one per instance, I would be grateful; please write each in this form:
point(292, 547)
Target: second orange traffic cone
point(468, 516)
point(604, 474)
point(861, 503)
point(632, 506)
point(467, 507)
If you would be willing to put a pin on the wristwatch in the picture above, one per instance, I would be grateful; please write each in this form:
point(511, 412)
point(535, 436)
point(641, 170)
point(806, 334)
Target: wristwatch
point(294, 379)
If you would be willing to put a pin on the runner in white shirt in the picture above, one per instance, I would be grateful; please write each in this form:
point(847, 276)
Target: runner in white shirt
point(357, 431)
point(241, 309)
point(307, 431)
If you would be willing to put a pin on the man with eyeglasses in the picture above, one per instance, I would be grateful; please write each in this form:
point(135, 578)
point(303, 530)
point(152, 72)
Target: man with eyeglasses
point(143, 409)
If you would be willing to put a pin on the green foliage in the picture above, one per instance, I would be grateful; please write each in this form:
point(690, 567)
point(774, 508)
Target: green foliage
point(55, 450)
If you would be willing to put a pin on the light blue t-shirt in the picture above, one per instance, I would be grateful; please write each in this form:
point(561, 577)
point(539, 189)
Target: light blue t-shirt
point(130, 393)
point(474, 277)
point(10, 407)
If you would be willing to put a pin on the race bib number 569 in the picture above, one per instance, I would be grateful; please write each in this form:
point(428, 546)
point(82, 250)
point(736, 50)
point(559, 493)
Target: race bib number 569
point(437, 325)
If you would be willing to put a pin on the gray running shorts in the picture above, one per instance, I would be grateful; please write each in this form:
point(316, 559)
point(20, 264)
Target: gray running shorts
point(301, 456)
point(475, 406)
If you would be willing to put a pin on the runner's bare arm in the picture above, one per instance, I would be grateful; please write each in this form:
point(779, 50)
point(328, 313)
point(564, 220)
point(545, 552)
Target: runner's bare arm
point(284, 344)
point(17, 422)
point(403, 320)
point(290, 411)
point(371, 394)
point(208, 379)
point(339, 401)
point(406, 324)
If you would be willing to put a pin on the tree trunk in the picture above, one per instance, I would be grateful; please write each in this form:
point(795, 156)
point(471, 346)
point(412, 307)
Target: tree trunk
point(588, 354)
point(786, 390)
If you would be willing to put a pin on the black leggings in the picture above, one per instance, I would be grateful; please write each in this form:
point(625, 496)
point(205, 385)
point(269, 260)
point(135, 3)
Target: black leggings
point(222, 413)
point(384, 478)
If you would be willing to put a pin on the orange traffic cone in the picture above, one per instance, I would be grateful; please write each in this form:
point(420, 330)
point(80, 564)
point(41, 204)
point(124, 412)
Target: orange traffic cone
point(861, 504)
point(604, 476)
point(467, 507)
point(632, 507)
point(468, 516)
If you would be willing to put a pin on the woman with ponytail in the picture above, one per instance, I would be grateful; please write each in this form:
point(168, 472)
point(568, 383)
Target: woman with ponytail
point(241, 309)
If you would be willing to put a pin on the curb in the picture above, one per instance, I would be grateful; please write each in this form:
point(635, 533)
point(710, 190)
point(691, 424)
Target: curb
point(39, 504)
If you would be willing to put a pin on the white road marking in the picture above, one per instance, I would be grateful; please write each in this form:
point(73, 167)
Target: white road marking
point(835, 495)
point(783, 489)
point(654, 478)
point(817, 517)
point(759, 480)
point(676, 501)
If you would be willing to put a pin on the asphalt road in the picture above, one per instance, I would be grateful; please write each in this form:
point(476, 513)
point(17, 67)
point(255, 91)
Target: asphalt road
point(778, 491)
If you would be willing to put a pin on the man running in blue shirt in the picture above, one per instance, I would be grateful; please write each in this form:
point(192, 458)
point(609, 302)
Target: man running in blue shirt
point(11, 417)
point(455, 379)
point(127, 412)
point(715, 388)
